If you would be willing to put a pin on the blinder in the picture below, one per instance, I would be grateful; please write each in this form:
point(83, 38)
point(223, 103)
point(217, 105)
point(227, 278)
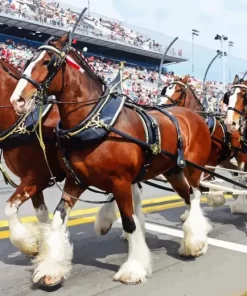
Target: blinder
point(228, 94)
point(53, 63)
point(226, 97)
point(27, 64)
point(163, 92)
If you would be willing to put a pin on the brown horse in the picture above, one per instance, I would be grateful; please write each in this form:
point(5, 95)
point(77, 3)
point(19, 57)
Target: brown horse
point(25, 159)
point(109, 161)
point(180, 93)
point(31, 168)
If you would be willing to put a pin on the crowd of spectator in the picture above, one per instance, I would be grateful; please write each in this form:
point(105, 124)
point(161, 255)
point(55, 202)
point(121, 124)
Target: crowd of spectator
point(51, 13)
point(142, 85)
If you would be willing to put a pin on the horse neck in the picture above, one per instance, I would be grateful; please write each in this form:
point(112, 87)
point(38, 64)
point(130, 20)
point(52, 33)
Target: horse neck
point(7, 85)
point(191, 101)
point(81, 88)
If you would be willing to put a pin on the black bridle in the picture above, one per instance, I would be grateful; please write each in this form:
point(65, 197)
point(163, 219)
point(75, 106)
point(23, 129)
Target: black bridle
point(57, 62)
point(182, 91)
point(229, 93)
point(242, 114)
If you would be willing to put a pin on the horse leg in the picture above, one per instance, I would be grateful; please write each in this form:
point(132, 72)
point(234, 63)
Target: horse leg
point(25, 236)
point(138, 266)
point(40, 208)
point(239, 206)
point(107, 214)
point(136, 193)
point(181, 186)
point(228, 165)
point(196, 227)
point(213, 200)
point(53, 264)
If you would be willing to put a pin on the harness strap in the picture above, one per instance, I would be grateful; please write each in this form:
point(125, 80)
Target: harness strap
point(77, 179)
point(152, 132)
point(180, 159)
point(167, 153)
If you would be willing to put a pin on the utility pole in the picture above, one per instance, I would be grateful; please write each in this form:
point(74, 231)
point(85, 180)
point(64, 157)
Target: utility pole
point(88, 7)
point(222, 38)
point(230, 44)
point(194, 33)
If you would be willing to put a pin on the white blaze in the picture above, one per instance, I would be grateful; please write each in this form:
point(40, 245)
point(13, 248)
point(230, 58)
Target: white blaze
point(23, 82)
point(170, 90)
point(232, 103)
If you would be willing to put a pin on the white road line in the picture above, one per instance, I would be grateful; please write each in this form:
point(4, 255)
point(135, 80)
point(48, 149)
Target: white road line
point(179, 233)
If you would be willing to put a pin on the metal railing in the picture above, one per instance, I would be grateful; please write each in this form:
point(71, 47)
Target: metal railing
point(87, 28)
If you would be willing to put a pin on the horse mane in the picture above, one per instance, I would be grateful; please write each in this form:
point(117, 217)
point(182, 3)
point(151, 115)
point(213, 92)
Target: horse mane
point(10, 68)
point(196, 105)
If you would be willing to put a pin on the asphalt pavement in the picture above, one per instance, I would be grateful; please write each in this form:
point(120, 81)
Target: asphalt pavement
point(220, 272)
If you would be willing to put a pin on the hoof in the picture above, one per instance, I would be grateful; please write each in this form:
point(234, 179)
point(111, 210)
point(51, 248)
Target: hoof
point(26, 239)
point(193, 250)
point(215, 201)
point(105, 217)
point(132, 274)
point(184, 216)
point(124, 236)
point(238, 208)
point(48, 281)
point(104, 231)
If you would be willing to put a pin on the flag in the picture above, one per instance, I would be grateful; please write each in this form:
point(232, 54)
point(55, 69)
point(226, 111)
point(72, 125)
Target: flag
point(74, 41)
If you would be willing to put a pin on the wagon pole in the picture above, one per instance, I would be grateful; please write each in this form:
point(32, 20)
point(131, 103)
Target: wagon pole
point(227, 170)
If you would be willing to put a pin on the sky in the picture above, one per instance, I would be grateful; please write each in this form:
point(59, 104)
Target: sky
point(178, 18)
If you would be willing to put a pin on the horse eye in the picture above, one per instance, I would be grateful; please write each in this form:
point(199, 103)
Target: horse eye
point(46, 63)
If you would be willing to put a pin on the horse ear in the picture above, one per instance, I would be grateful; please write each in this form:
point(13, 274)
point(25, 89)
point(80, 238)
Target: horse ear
point(236, 79)
point(60, 43)
point(186, 79)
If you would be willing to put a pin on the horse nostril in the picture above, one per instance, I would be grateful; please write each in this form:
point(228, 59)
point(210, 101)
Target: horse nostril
point(20, 101)
point(234, 123)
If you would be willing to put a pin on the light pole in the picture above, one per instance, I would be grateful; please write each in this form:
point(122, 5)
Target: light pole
point(230, 44)
point(219, 54)
point(88, 7)
point(222, 38)
point(194, 33)
point(162, 61)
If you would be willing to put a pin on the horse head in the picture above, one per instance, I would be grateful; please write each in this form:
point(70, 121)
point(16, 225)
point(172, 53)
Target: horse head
point(236, 100)
point(56, 69)
point(175, 92)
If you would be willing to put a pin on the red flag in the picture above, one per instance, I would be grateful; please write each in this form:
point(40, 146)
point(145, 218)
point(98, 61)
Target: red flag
point(74, 41)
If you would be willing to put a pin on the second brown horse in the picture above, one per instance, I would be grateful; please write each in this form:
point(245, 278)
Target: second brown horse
point(180, 93)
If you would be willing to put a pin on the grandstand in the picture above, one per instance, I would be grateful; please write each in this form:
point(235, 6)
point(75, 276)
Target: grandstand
point(37, 20)
point(26, 24)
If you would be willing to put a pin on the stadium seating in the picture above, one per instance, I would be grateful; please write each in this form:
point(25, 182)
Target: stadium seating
point(142, 85)
point(93, 25)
